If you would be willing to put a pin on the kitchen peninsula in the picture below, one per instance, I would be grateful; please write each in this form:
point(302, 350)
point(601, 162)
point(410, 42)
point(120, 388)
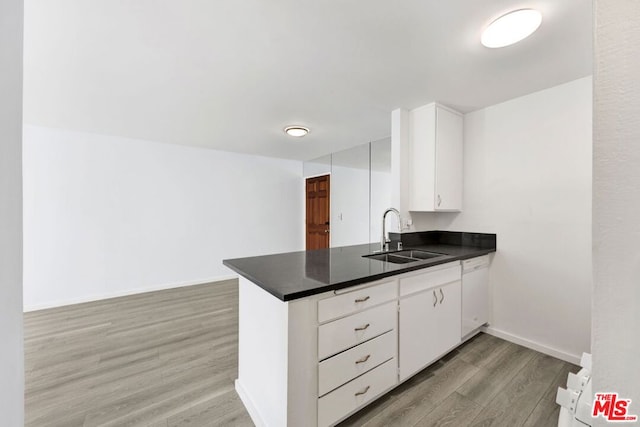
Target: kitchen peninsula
point(323, 333)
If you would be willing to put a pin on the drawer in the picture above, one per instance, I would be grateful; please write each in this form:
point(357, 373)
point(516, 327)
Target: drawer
point(347, 332)
point(343, 367)
point(350, 302)
point(346, 399)
point(430, 279)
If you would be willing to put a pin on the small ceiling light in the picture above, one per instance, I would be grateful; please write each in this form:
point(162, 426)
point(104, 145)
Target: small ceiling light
point(511, 28)
point(296, 131)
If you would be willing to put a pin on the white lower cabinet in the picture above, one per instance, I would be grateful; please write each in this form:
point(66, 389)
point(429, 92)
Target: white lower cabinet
point(344, 400)
point(315, 361)
point(429, 326)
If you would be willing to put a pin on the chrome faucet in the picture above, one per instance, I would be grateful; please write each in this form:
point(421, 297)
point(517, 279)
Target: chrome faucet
point(384, 241)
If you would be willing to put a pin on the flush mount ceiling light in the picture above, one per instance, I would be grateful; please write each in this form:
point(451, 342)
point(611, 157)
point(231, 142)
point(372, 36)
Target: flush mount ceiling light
point(296, 131)
point(511, 28)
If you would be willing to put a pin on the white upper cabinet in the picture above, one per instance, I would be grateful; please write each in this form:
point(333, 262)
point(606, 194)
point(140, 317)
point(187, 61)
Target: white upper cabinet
point(435, 159)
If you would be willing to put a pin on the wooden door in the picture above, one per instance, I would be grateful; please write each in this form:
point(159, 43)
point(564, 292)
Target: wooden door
point(317, 215)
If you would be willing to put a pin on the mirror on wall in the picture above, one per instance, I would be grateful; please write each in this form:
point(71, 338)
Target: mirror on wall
point(380, 189)
point(350, 196)
point(360, 191)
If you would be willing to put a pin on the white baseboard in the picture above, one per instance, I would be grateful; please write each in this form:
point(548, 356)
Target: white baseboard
point(108, 295)
point(249, 406)
point(533, 345)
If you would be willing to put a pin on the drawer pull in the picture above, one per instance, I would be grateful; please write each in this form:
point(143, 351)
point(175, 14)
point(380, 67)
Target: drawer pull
point(363, 299)
point(442, 295)
point(435, 298)
point(364, 359)
point(360, 393)
point(362, 328)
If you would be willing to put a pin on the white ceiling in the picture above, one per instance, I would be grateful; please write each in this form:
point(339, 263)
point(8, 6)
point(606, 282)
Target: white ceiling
point(231, 74)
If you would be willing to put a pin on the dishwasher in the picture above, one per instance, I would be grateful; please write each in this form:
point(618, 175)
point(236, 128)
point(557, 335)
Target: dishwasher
point(475, 294)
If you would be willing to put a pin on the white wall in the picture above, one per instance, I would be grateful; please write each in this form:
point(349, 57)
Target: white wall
point(527, 178)
point(11, 350)
point(616, 200)
point(108, 216)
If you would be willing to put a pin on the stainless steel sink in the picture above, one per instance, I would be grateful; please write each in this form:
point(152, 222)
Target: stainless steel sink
point(414, 253)
point(404, 257)
point(392, 258)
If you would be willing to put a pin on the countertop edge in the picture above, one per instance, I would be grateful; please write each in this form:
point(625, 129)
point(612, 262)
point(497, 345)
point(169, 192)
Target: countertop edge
point(346, 284)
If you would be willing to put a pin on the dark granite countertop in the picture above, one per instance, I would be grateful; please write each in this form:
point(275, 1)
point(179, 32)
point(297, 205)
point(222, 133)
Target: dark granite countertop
point(294, 275)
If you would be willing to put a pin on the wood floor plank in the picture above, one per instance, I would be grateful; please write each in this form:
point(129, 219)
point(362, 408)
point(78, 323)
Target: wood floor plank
point(493, 377)
point(547, 410)
point(483, 350)
point(95, 393)
point(455, 411)
point(420, 400)
point(374, 409)
point(515, 402)
point(369, 412)
point(223, 410)
point(157, 402)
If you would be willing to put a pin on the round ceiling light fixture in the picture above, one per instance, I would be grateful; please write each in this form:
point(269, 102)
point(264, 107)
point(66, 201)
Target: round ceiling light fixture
point(297, 131)
point(511, 28)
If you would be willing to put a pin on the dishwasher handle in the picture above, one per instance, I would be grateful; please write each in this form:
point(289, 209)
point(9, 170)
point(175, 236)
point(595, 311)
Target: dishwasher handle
point(474, 264)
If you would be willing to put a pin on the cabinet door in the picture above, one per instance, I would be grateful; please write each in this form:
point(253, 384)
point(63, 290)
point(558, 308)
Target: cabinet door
point(429, 327)
point(449, 161)
point(475, 299)
point(422, 149)
point(450, 316)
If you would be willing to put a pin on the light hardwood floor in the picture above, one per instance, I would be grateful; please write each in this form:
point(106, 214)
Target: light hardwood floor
point(169, 358)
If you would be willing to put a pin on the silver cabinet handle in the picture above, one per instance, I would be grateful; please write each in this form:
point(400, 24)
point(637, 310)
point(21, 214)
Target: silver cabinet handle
point(435, 298)
point(362, 328)
point(364, 359)
point(360, 393)
point(363, 299)
point(441, 296)
point(439, 200)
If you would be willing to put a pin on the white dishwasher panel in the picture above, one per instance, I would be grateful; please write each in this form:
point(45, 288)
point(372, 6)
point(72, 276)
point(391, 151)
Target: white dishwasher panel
point(475, 298)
